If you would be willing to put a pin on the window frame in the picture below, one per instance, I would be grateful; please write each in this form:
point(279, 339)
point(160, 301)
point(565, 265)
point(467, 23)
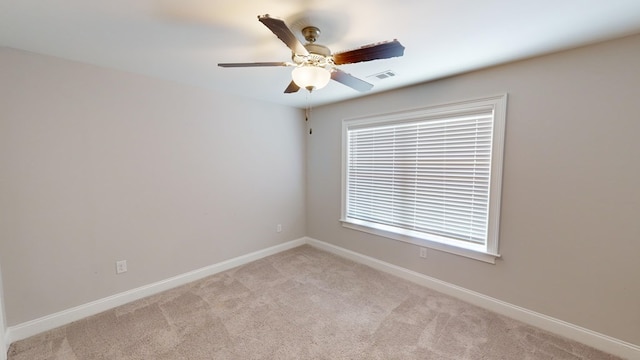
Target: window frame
point(487, 252)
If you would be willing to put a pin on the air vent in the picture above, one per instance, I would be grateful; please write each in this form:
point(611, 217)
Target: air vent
point(383, 75)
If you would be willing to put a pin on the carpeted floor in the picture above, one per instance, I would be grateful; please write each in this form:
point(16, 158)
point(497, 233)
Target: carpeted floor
point(300, 304)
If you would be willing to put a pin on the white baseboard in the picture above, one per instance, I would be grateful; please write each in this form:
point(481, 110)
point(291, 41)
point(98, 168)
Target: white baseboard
point(599, 341)
point(594, 339)
point(49, 322)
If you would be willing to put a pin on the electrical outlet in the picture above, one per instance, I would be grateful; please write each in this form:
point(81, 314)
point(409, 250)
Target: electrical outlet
point(279, 228)
point(423, 253)
point(121, 266)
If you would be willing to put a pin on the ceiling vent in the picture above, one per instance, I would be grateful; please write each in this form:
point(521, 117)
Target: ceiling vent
point(383, 75)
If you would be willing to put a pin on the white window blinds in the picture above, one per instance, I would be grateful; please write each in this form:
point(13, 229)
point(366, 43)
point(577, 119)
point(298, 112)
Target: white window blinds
point(428, 175)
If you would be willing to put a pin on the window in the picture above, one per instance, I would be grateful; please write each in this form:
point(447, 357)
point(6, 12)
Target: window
point(431, 176)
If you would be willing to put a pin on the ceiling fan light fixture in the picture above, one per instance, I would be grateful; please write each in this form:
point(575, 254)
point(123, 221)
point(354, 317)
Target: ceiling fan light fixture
point(311, 77)
point(315, 63)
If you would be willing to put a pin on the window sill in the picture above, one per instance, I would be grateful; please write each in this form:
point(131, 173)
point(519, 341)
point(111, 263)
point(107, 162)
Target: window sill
point(472, 252)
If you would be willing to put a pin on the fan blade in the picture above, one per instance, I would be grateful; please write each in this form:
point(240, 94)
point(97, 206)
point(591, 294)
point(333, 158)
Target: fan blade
point(253, 64)
point(281, 30)
point(383, 50)
point(292, 88)
point(351, 81)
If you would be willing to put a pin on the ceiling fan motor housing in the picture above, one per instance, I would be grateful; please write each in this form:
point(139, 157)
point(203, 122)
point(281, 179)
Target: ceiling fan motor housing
point(319, 55)
point(318, 49)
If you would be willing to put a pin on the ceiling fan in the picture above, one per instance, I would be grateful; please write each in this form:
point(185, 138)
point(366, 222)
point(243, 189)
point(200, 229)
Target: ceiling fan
point(314, 64)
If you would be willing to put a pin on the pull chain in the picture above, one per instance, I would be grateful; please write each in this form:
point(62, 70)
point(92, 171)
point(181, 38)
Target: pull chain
point(307, 112)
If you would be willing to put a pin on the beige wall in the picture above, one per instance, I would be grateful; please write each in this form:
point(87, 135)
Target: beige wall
point(570, 234)
point(99, 165)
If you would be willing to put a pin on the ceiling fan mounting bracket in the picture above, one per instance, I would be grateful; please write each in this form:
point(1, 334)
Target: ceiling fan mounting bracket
point(311, 33)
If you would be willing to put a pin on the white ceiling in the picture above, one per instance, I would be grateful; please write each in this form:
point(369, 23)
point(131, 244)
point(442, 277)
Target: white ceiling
point(183, 40)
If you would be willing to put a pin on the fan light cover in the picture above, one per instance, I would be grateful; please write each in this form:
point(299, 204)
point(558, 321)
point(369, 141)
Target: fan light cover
point(311, 77)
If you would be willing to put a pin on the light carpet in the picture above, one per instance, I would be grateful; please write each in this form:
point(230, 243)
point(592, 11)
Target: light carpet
point(300, 304)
